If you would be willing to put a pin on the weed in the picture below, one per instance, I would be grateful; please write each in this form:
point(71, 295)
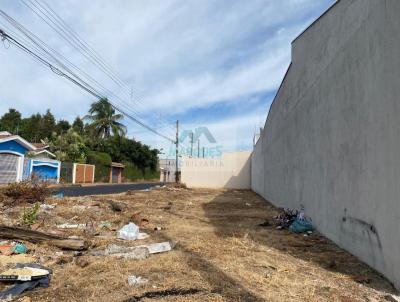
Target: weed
point(29, 217)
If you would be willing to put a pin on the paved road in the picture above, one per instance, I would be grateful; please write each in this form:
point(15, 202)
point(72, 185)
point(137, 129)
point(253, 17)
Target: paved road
point(104, 189)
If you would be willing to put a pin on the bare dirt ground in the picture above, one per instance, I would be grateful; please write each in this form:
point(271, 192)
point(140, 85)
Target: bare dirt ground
point(222, 254)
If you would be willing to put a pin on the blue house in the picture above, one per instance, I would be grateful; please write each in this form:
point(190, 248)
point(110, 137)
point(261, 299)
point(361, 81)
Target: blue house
point(21, 160)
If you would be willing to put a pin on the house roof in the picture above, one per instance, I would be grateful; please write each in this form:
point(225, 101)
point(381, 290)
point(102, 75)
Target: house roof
point(21, 141)
point(40, 146)
point(4, 134)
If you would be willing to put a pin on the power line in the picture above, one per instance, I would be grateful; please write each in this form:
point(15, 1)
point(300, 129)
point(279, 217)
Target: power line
point(82, 84)
point(50, 17)
point(48, 52)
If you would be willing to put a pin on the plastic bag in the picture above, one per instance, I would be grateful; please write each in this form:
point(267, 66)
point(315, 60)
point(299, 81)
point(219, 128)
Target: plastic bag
point(301, 226)
point(129, 232)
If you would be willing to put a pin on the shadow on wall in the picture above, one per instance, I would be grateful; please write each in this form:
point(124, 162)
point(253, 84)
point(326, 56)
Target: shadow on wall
point(233, 218)
point(242, 180)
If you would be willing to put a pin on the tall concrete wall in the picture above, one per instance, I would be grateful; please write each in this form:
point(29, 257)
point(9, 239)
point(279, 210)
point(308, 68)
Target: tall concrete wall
point(231, 171)
point(331, 141)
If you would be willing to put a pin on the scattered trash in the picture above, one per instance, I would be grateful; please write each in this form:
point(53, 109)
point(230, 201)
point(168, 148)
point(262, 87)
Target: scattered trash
point(20, 248)
point(131, 232)
point(133, 280)
point(295, 221)
point(71, 226)
point(286, 218)
point(248, 204)
point(301, 225)
point(47, 206)
point(6, 248)
point(158, 228)
point(146, 190)
point(32, 275)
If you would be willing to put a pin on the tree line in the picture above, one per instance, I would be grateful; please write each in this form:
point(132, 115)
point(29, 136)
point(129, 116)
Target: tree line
point(97, 138)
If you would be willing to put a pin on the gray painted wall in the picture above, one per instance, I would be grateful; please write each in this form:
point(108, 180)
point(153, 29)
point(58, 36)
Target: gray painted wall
point(332, 137)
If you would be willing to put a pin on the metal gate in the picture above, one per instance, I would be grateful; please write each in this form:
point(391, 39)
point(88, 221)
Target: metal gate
point(115, 175)
point(8, 167)
point(84, 173)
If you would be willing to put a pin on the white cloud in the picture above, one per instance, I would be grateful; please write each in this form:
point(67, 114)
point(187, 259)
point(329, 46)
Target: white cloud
point(179, 55)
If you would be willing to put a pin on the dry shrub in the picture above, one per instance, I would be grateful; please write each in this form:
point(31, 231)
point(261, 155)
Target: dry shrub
point(27, 191)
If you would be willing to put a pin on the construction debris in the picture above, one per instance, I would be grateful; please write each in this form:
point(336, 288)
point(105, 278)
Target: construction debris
point(135, 252)
point(161, 247)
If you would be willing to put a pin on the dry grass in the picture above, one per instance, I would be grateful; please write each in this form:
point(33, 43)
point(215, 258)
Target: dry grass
point(222, 252)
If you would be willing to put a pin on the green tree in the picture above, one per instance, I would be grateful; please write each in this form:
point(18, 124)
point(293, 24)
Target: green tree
point(78, 125)
point(31, 128)
point(11, 121)
point(48, 125)
point(70, 147)
point(62, 126)
point(104, 120)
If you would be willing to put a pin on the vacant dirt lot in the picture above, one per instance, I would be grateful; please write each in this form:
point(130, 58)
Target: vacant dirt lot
point(222, 254)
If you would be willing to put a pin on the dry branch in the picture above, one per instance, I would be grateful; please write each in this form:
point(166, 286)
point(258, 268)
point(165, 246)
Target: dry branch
point(35, 236)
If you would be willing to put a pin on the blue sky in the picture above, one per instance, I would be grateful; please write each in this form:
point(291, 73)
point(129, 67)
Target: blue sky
point(207, 63)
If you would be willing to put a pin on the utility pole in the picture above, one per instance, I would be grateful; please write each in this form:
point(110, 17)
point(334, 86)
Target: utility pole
point(203, 152)
point(198, 148)
point(176, 153)
point(191, 145)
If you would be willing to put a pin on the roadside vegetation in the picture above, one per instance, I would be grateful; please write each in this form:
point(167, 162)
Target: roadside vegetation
point(98, 138)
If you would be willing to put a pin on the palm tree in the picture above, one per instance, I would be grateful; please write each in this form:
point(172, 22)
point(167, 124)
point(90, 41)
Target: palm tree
point(104, 120)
